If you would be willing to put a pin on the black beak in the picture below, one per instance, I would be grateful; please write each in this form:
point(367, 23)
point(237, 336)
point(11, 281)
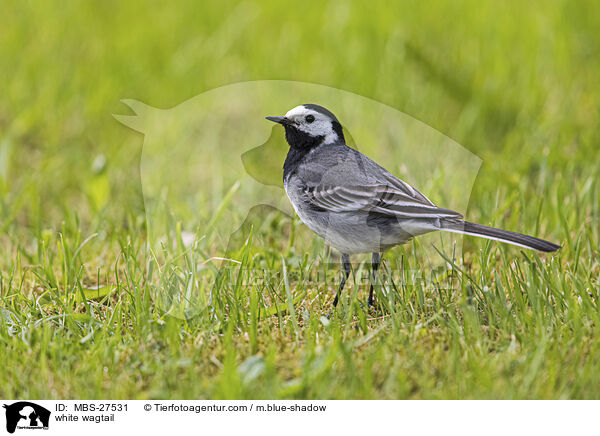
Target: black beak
point(280, 120)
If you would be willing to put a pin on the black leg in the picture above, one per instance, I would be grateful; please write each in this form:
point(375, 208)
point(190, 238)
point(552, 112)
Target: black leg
point(346, 266)
point(375, 261)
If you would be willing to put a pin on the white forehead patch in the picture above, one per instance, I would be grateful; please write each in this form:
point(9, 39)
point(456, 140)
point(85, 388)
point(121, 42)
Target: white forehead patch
point(299, 111)
point(321, 126)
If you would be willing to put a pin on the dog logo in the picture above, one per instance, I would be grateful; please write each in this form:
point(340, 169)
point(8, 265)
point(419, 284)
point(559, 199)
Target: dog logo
point(212, 182)
point(26, 415)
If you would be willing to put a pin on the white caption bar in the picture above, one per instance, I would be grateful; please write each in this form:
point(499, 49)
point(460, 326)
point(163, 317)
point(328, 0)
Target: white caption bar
point(292, 417)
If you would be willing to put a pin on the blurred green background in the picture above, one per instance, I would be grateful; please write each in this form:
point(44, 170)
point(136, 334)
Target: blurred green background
point(511, 79)
point(514, 82)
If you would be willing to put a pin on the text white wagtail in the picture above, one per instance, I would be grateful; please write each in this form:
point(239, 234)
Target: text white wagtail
point(357, 206)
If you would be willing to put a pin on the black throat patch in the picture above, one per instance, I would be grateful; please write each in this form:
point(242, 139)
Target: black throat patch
point(298, 139)
point(300, 144)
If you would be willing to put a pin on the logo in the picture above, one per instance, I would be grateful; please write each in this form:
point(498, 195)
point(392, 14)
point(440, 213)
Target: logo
point(26, 415)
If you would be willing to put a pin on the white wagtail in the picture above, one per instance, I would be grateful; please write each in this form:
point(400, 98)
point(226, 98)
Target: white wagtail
point(357, 206)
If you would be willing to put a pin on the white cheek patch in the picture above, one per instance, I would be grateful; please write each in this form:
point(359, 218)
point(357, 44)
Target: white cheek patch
point(320, 128)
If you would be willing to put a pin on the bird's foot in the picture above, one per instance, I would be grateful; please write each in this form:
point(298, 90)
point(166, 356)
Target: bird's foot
point(374, 308)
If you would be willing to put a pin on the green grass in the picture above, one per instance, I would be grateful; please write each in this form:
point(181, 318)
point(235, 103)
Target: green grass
point(516, 84)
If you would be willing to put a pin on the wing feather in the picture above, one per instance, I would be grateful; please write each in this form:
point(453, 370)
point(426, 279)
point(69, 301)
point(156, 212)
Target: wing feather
point(396, 200)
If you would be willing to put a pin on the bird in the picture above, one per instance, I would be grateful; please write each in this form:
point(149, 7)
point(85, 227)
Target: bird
point(356, 205)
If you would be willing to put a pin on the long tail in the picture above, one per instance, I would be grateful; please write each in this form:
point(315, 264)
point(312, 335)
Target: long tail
point(467, 228)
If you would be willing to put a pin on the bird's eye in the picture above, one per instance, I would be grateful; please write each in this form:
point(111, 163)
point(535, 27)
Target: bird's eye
point(310, 118)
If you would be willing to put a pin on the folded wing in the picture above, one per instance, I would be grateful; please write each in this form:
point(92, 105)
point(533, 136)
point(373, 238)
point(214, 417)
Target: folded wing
point(392, 199)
